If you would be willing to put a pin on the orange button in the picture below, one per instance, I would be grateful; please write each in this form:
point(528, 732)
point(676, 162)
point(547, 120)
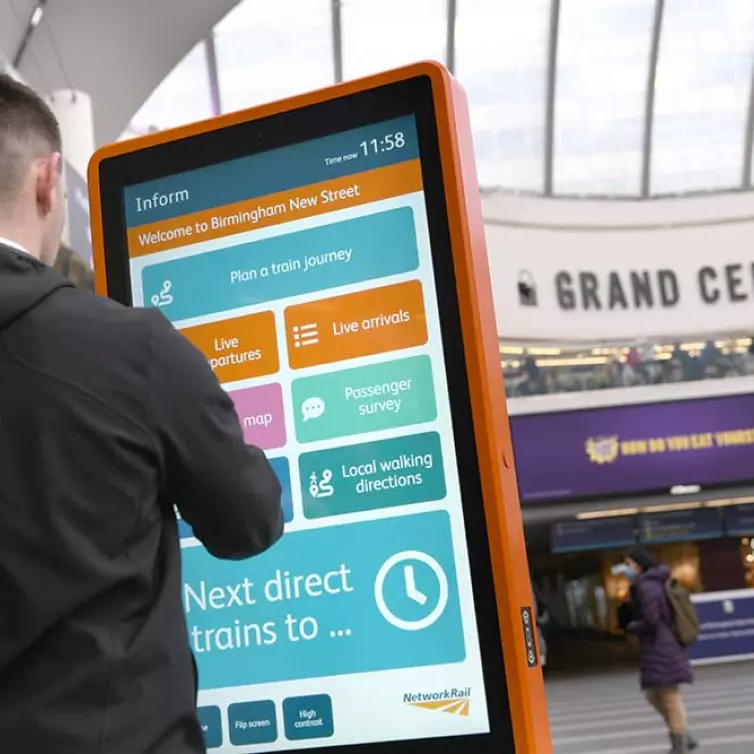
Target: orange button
point(360, 324)
point(239, 348)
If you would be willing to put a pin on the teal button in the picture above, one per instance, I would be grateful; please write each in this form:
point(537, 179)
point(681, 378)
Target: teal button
point(210, 721)
point(367, 399)
point(317, 259)
point(372, 475)
point(308, 717)
point(327, 601)
point(252, 723)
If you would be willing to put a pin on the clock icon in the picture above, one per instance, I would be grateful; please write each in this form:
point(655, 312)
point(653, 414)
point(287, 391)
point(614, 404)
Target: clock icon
point(409, 577)
point(411, 592)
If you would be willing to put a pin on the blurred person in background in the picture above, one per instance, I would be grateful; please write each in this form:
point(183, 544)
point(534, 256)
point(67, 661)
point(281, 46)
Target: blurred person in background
point(534, 384)
point(108, 419)
point(682, 361)
point(665, 663)
point(711, 361)
point(633, 360)
point(71, 266)
point(542, 616)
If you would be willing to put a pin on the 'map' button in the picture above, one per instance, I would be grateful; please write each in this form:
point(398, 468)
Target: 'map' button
point(308, 717)
point(211, 722)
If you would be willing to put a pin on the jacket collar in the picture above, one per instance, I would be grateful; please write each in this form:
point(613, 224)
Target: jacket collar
point(12, 245)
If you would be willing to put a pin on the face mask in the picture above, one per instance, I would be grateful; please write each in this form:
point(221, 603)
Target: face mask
point(623, 569)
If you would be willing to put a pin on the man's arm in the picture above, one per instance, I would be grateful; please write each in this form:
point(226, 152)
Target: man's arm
point(225, 489)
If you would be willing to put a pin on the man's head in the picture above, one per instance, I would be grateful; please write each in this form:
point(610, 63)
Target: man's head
point(32, 198)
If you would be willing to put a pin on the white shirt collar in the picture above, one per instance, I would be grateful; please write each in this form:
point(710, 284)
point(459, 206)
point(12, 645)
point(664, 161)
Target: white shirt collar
point(13, 245)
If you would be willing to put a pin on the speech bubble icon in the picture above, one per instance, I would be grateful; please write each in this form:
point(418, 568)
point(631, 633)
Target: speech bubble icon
point(312, 408)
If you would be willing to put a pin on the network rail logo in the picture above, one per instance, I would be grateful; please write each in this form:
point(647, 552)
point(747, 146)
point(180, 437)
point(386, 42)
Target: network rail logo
point(453, 701)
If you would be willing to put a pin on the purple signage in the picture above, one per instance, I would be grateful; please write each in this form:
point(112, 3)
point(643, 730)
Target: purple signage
point(680, 526)
point(634, 449)
point(598, 534)
point(739, 520)
point(727, 627)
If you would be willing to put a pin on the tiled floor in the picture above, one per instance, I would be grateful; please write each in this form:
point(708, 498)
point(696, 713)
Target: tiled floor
point(604, 713)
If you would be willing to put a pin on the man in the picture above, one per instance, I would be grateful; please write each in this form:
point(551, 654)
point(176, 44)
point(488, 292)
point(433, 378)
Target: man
point(108, 417)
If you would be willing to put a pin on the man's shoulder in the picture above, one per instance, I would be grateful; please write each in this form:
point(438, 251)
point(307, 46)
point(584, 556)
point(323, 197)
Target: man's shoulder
point(98, 321)
point(75, 302)
point(117, 338)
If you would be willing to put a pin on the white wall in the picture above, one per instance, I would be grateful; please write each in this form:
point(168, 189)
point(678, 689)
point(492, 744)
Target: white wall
point(679, 235)
point(117, 51)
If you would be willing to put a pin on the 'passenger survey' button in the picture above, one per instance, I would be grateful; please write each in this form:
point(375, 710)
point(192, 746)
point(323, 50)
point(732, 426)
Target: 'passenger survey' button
point(365, 399)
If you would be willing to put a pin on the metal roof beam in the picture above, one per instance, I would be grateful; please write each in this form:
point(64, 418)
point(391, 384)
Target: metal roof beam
point(749, 137)
point(649, 107)
point(337, 40)
point(210, 51)
point(552, 75)
point(450, 43)
point(31, 26)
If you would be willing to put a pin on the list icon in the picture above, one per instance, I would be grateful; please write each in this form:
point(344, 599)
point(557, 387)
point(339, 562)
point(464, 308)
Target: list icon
point(305, 335)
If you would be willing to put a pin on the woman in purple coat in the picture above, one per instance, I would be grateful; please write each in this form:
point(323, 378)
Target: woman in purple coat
point(665, 663)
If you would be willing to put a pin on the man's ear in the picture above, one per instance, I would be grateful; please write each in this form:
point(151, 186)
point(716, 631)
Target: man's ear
point(49, 170)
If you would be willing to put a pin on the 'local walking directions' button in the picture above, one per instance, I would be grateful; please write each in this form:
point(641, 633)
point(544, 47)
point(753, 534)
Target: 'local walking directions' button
point(367, 476)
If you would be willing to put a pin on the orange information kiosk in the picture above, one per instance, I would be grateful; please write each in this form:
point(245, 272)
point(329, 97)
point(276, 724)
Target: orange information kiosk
point(327, 254)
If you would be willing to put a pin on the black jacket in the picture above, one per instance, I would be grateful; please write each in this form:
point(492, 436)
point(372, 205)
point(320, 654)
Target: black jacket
point(108, 416)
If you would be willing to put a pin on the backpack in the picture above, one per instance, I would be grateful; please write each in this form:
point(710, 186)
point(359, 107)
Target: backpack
point(684, 615)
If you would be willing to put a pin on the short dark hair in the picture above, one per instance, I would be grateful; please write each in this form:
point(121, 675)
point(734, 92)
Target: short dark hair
point(28, 129)
point(643, 558)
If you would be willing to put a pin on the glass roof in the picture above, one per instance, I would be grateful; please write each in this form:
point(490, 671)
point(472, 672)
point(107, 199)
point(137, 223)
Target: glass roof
point(568, 97)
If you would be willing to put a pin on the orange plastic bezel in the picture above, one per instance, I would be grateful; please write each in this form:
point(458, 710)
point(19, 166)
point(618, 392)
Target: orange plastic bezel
point(491, 426)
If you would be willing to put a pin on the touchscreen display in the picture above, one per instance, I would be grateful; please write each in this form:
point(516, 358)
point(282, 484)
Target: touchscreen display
point(305, 276)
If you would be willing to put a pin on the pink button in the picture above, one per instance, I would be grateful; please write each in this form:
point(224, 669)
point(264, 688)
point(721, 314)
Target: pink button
point(260, 410)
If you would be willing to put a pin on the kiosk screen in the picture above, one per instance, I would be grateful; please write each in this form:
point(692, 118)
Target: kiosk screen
point(305, 274)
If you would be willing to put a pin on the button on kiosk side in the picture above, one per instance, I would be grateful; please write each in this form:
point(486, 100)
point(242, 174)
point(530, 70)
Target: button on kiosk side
point(326, 253)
